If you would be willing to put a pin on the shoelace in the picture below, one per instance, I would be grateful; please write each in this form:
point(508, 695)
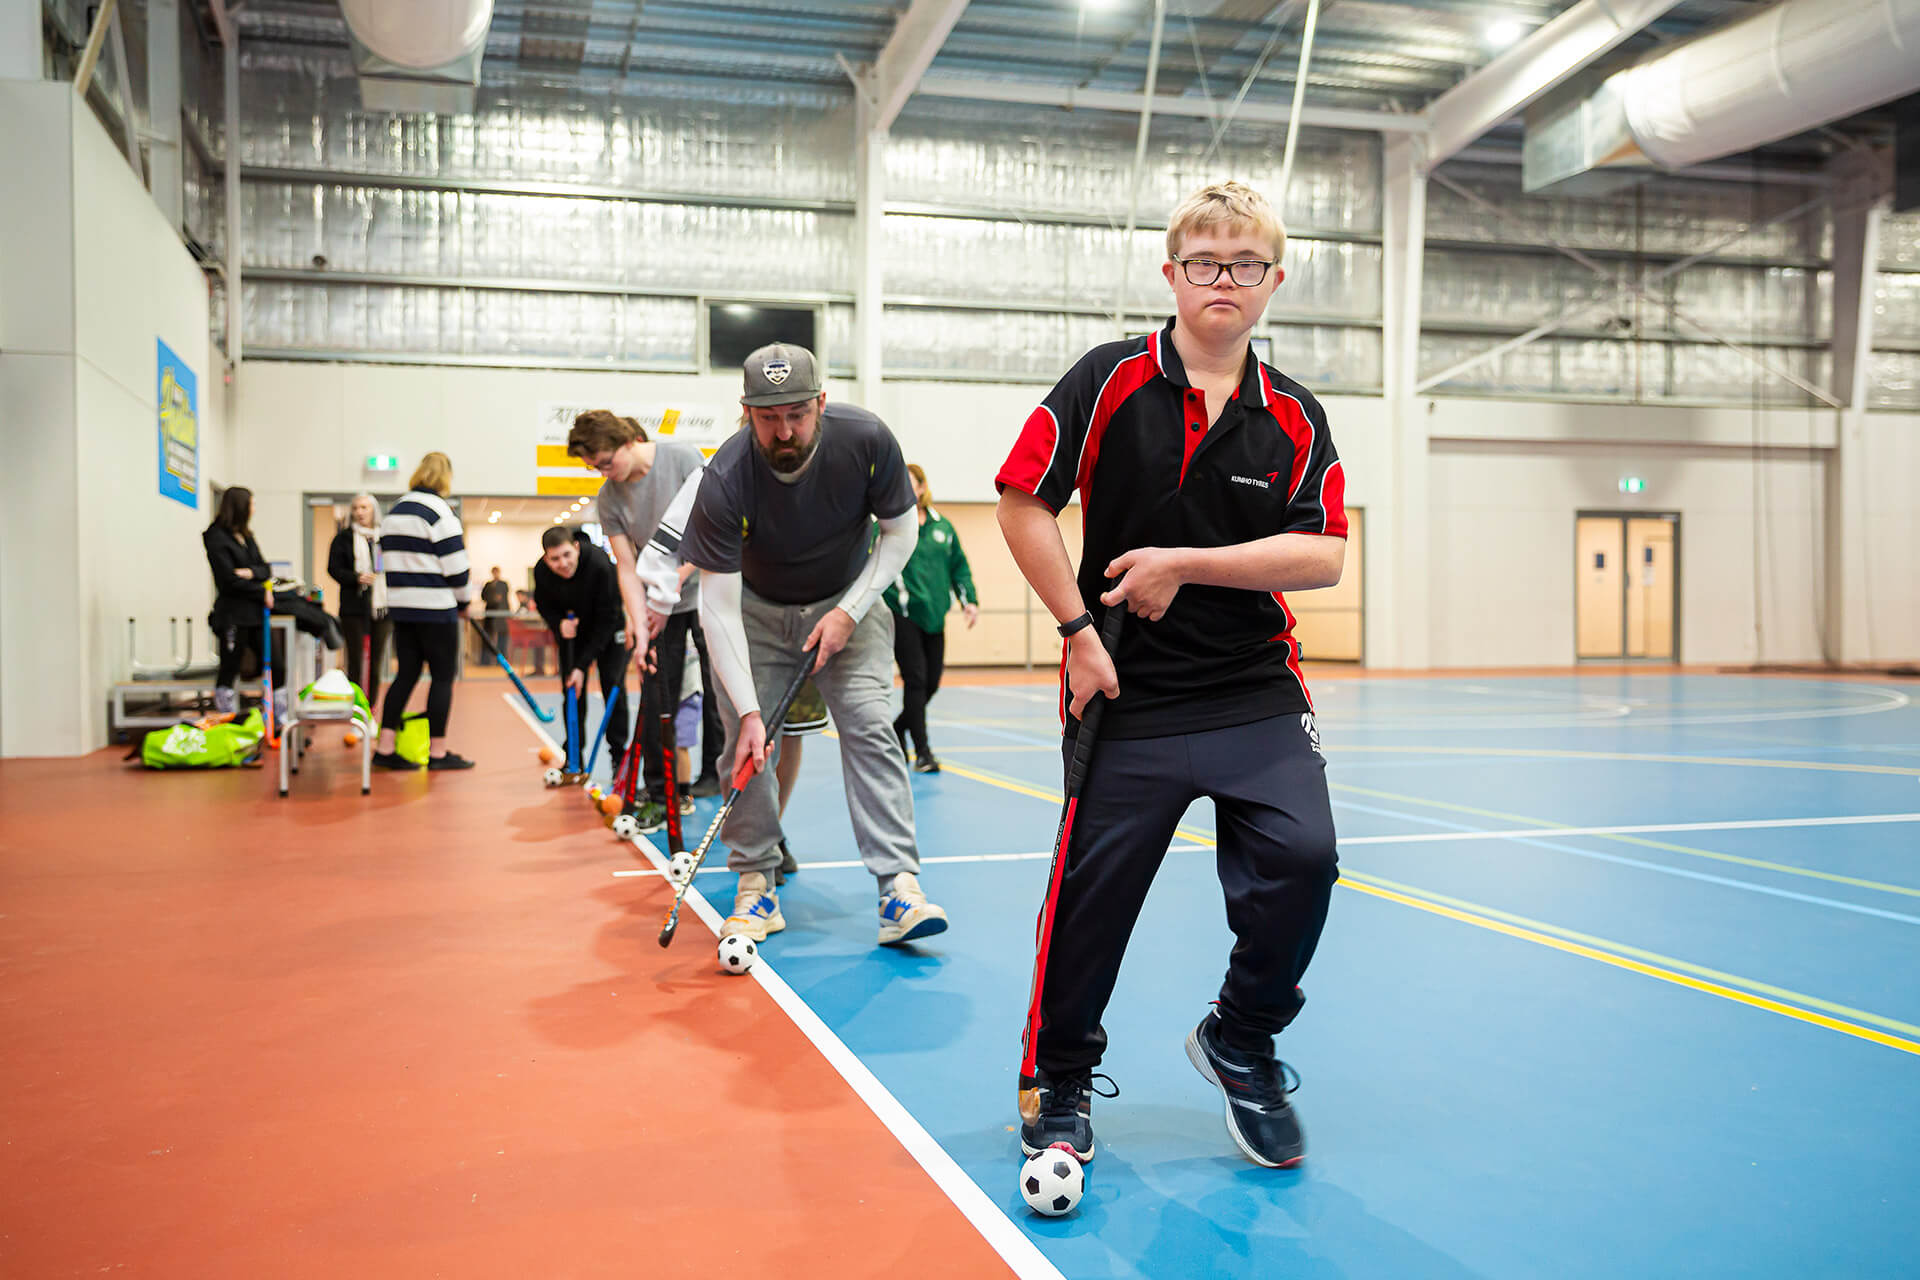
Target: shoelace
point(1065, 1095)
point(1272, 1079)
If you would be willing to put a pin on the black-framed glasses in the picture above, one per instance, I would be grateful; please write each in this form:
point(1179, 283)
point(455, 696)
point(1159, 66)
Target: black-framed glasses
point(1247, 272)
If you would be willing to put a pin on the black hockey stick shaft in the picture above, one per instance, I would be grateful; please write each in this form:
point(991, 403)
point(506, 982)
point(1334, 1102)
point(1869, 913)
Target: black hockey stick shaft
point(734, 788)
point(1043, 929)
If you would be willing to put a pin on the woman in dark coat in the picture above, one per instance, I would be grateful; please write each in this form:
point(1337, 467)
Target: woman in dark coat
point(242, 594)
point(353, 561)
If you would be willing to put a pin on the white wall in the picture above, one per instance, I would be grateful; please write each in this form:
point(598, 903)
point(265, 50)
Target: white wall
point(90, 277)
point(1506, 480)
point(1890, 607)
point(39, 590)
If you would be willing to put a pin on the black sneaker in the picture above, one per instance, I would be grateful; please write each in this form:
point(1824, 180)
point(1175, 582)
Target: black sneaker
point(1254, 1086)
point(1066, 1115)
point(705, 789)
point(393, 760)
point(926, 764)
point(448, 761)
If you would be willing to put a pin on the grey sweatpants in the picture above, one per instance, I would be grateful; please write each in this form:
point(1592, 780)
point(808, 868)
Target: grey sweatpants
point(857, 684)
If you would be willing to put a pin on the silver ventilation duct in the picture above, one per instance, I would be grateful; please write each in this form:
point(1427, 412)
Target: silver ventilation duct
point(1787, 69)
point(417, 56)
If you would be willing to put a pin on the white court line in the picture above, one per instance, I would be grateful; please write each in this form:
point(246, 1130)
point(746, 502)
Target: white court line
point(1532, 833)
point(1426, 837)
point(958, 857)
point(1000, 1232)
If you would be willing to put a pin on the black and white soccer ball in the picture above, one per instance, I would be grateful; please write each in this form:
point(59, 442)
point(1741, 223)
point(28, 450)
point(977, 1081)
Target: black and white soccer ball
point(626, 826)
point(1053, 1182)
point(737, 953)
point(680, 866)
point(552, 777)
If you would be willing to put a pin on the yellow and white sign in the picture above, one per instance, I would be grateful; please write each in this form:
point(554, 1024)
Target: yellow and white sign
point(555, 472)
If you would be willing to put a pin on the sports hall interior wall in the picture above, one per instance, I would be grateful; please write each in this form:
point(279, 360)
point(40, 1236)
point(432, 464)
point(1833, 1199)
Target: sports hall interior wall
point(90, 276)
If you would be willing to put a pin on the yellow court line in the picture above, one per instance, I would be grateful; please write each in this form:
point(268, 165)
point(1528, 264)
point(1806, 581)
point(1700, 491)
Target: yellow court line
point(1647, 970)
point(1783, 868)
point(1530, 753)
point(1620, 955)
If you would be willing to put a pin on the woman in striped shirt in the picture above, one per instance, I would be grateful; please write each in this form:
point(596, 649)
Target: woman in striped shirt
point(424, 558)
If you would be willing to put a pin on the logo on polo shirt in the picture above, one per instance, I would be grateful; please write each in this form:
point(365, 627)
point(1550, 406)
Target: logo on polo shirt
point(777, 371)
point(1256, 481)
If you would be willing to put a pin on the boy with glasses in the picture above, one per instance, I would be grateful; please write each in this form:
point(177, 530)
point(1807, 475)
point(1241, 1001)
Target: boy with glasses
point(1209, 486)
point(642, 477)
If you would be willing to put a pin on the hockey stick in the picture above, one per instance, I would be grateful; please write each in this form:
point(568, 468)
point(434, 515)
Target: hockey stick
point(1043, 929)
point(735, 786)
point(540, 713)
point(670, 783)
point(266, 671)
point(614, 697)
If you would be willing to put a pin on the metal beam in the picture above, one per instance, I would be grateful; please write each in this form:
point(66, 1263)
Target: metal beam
point(96, 41)
point(163, 110)
point(1139, 164)
point(1523, 73)
point(917, 37)
point(123, 87)
point(1053, 95)
point(230, 176)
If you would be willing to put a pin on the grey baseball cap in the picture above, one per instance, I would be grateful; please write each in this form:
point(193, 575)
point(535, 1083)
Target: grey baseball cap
point(781, 373)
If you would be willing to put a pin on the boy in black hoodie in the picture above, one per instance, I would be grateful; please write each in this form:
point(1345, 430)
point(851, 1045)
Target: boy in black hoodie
point(575, 577)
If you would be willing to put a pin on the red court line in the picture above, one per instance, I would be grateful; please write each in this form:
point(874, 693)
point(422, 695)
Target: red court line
point(418, 1033)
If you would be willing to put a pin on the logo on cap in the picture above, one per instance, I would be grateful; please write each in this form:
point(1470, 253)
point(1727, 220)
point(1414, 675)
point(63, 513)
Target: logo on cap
point(776, 371)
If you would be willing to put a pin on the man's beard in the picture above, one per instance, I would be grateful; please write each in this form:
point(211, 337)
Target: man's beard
point(788, 458)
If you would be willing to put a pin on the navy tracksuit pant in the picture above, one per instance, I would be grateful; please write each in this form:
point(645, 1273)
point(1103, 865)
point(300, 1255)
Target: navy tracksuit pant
point(1275, 860)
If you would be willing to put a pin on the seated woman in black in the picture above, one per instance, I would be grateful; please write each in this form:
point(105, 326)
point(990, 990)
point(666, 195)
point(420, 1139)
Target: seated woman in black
point(242, 597)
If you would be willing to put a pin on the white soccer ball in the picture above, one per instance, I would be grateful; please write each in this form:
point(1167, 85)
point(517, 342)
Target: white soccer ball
point(737, 954)
point(551, 777)
point(680, 867)
point(626, 826)
point(1053, 1182)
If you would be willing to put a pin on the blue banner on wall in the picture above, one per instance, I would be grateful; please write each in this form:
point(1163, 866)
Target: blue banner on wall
point(179, 430)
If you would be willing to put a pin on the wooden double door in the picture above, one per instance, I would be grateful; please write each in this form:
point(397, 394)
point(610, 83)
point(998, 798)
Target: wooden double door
point(1626, 585)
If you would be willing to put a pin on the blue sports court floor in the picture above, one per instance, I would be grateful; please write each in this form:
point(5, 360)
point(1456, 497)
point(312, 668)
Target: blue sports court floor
point(1620, 980)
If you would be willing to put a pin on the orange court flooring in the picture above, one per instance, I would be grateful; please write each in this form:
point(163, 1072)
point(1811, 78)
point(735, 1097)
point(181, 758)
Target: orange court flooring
point(1617, 981)
point(421, 1033)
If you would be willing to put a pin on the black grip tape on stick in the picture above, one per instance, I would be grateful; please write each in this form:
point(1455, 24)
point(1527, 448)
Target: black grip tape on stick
point(772, 725)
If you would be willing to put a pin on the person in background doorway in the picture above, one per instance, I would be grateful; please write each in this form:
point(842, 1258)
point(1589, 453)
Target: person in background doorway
point(531, 652)
point(243, 595)
point(935, 575)
point(353, 561)
point(424, 554)
point(494, 597)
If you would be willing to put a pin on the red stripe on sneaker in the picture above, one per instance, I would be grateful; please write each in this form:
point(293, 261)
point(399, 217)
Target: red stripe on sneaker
point(1043, 939)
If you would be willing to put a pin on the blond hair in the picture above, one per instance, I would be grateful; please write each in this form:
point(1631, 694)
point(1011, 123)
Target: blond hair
point(435, 473)
point(1229, 204)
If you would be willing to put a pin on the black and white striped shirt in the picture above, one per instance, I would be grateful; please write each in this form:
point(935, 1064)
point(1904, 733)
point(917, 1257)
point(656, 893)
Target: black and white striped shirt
point(424, 559)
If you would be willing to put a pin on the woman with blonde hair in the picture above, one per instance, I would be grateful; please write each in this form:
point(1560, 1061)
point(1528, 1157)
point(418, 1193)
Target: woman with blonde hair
point(424, 554)
point(353, 561)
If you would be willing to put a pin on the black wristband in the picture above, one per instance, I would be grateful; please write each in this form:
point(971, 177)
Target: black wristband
point(1080, 623)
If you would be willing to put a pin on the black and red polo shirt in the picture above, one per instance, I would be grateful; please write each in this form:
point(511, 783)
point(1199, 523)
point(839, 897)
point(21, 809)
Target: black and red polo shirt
point(1126, 429)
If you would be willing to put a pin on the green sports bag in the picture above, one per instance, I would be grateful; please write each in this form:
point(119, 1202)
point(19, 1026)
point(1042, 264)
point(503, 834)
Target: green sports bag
point(204, 746)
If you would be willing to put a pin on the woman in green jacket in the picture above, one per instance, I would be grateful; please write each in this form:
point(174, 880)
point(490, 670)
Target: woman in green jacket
point(935, 575)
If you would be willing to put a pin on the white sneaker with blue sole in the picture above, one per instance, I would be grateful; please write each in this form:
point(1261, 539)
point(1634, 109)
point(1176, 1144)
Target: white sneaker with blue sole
point(906, 915)
point(756, 912)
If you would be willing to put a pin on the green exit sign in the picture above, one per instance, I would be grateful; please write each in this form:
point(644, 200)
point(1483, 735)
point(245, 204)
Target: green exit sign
point(1632, 484)
point(382, 462)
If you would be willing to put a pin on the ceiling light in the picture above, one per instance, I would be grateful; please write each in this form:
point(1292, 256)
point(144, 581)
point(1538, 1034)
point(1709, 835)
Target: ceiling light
point(1502, 32)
